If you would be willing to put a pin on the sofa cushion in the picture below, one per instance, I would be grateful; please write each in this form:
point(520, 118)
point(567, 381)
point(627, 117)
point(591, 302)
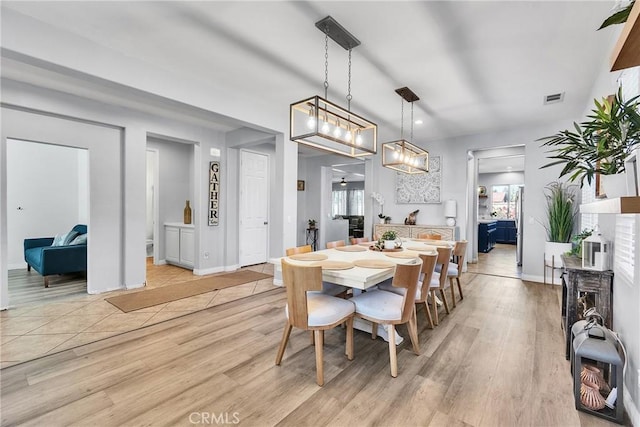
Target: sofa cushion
point(64, 239)
point(79, 240)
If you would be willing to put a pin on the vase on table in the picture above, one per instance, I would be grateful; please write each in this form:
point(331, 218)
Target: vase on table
point(187, 213)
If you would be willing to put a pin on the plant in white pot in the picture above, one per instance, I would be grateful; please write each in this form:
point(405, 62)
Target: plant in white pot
point(390, 239)
point(561, 215)
point(600, 144)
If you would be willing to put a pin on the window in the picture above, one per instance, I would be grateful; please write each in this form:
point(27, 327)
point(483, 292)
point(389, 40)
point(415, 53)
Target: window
point(503, 201)
point(347, 202)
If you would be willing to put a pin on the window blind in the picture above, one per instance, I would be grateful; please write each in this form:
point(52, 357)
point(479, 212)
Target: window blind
point(625, 249)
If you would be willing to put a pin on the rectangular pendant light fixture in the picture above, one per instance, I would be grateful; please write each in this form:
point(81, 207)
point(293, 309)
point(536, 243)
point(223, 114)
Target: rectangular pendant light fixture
point(321, 124)
point(402, 155)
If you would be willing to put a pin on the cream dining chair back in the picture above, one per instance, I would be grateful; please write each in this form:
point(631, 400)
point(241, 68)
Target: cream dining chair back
point(313, 311)
point(455, 268)
point(422, 290)
point(439, 281)
point(389, 308)
point(335, 244)
point(429, 236)
point(298, 250)
point(356, 240)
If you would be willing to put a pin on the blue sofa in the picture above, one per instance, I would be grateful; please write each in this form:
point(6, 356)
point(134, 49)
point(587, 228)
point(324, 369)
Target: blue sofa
point(48, 260)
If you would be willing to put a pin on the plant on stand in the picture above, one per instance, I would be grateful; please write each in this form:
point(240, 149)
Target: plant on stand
point(561, 215)
point(599, 145)
point(312, 223)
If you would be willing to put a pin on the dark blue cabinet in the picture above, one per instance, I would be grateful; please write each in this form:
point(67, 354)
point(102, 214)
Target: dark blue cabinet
point(506, 231)
point(486, 236)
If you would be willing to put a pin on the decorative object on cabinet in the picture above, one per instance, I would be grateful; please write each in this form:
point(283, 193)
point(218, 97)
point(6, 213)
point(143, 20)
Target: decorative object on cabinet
point(300, 185)
point(599, 145)
point(214, 192)
point(179, 244)
point(411, 219)
point(402, 155)
point(420, 188)
point(187, 213)
point(450, 212)
point(595, 252)
point(321, 124)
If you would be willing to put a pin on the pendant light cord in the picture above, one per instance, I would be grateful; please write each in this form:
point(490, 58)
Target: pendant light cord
point(401, 118)
point(349, 97)
point(326, 61)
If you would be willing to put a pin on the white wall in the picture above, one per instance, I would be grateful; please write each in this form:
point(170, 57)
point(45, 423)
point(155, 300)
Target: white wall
point(46, 193)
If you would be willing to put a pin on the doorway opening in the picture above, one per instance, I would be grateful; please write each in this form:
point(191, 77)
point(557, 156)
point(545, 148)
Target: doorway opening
point(496, 199)
point(47, 195)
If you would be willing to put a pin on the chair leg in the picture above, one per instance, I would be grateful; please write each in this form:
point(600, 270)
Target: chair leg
point(28, 267)
point(349, 349)
point(374, 330)
point(319, 338)
point(435, 306)
point(283, 343)
point(311, 338)
point(453, 294)
point(46, 281)
point(413, 331)
point(444, 300)
point(459, 287)
point(393, 359)
point(428, 312)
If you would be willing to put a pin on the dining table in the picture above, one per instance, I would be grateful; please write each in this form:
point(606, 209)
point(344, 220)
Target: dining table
point(361, 267)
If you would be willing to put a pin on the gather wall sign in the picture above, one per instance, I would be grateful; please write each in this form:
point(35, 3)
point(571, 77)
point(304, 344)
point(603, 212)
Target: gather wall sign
point(214, 192)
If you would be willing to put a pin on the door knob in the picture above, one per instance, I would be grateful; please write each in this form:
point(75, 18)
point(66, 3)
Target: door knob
point(266, 222)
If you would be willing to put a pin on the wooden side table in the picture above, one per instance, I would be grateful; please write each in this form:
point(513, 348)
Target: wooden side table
point(578, 282)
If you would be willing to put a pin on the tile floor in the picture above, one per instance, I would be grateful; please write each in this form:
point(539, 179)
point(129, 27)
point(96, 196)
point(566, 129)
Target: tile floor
point(34, 330)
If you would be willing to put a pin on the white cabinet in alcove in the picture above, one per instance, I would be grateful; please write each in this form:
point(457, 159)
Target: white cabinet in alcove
point(179, 244)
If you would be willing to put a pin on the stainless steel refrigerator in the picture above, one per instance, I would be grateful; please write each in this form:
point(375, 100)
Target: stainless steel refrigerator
point(519, 223)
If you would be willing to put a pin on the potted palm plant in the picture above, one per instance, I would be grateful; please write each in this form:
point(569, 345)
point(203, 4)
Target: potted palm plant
point(561, 214)
point(599, 145)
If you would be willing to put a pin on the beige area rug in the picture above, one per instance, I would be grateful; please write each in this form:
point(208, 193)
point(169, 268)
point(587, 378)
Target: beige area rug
point(149, 298)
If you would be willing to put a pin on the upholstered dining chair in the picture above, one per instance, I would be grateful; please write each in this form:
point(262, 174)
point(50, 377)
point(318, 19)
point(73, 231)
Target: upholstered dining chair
point(356, 240)
point(429, 236)
point(388, 308)
point(422, 291)
point(327, 288)
point(454, 272)
point(298, 250)
point(439, 281)
point(313, 311)
point(335, 244)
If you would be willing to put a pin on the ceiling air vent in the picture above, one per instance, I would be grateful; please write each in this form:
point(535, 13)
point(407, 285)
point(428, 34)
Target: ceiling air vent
point(554, 98)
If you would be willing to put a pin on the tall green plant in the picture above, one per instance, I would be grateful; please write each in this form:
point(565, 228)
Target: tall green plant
point(561, 211)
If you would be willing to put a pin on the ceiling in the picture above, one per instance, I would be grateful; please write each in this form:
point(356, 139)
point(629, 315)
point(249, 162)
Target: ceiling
point(477, 66)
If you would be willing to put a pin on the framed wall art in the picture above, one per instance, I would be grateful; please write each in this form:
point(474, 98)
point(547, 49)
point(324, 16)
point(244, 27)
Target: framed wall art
point(420, 188)
point(300, 185)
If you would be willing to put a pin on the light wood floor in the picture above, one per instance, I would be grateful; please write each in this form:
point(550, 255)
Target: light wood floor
point(500, 261)
point(498, 359)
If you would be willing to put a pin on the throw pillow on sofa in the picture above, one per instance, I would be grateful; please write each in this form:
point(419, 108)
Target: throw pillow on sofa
point(80, 240)
point(64, 239)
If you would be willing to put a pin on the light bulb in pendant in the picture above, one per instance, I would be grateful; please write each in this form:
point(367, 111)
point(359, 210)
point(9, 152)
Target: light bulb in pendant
point(347, 135)
point(358, 138)
point(338, 130)
point(325, 125)
point(311, 121)
point(395, 155)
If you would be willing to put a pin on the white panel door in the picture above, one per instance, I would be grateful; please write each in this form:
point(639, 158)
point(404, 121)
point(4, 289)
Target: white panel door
point(254, 207)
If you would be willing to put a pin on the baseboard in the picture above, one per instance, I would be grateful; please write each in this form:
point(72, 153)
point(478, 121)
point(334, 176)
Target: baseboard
point(232, 267)
point(630, 408)
point(17, 266)
point(119, 288)
point(136, 286)
point(540, 279)
point(204, 271)
point(162, 262)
